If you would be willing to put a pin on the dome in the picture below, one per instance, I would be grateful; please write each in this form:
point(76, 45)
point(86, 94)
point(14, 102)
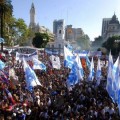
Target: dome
point(114, 20)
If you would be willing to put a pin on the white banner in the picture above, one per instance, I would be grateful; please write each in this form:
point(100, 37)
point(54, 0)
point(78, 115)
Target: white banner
point(55, 60)
point(20, 56)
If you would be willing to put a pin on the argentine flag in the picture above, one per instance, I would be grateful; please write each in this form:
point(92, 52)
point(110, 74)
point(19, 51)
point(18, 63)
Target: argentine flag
point(110, 78)
point(76, 73)
point(115, 85)
point(38, 64)
point(68, 58)
point(98, 72)
point(91, 74)
point(30, 76)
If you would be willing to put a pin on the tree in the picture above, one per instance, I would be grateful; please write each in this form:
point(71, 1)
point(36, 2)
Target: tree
point(40, 40)
point(113, 44)
point(6, 10)
point(18, 32)
point(84, 42)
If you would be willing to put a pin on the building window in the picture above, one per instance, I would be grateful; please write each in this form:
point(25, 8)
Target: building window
point(59, 45)
point(59, 31)
point(52, 46)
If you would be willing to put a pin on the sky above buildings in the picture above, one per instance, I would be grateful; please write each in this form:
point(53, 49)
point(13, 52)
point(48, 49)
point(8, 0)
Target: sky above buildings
point(85, 14)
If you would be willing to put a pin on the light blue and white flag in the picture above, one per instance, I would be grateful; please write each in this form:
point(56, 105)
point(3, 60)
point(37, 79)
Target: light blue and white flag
point(68, 58)
point(79, 68)
point(115, 85)
point(110, 78)
point(98, 72)
point(115, 71)
point(30, 76)
point(2, 65)
point(69, 46)
point(91, 74)
point(73, 76)
point(38, 64)
point(118, 92)
point(76, 73)
point(88, 61)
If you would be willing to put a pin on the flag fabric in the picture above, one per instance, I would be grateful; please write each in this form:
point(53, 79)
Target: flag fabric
point(110, 78)
point(115, 74)
point(87, 61)
point(2, 65)
point(118, 92)
point(79, 68)
point(91, 74)
point(10, 97)
point(76, 73)
point(20, 56)
point(38, 64)
point(55, 60)
point(69, 46)
point(115, 84)
point(31, 78)
point(4, 74)
point(98, 72)
point(73, 77)
point(68, 58)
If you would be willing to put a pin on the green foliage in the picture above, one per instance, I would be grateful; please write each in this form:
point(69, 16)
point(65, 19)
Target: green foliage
point(14, 30)
point(40, 40)
point(113, 44)
point(6, 10)
point(18, 32)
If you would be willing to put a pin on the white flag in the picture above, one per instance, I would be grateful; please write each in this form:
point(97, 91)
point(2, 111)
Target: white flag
point(55, 60)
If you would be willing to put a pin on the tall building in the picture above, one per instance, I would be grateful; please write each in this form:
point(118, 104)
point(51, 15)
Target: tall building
point(59, 32)
point(32, 24)
point(110, 27)
point(73, 34)
point(57, 24)
point(105, 24)
point(36, 27)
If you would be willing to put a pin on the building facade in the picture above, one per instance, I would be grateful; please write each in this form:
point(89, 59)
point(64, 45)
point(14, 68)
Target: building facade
point(73, 34)
point(110, 27)
point(35, 27)
point(57, 24)
point(59, 39)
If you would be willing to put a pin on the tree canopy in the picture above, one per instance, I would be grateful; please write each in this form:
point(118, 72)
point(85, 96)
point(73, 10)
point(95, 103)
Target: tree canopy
point(112, 44)
point(40, 40)
point(18, 32)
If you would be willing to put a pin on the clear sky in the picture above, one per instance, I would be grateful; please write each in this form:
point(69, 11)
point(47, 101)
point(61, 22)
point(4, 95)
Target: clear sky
point(85, 14)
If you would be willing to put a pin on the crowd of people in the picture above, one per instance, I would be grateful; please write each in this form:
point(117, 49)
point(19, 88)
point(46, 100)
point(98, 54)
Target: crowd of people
point(53, 100)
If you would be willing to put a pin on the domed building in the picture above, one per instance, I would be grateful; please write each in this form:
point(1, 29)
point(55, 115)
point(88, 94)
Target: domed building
point(110, 27)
